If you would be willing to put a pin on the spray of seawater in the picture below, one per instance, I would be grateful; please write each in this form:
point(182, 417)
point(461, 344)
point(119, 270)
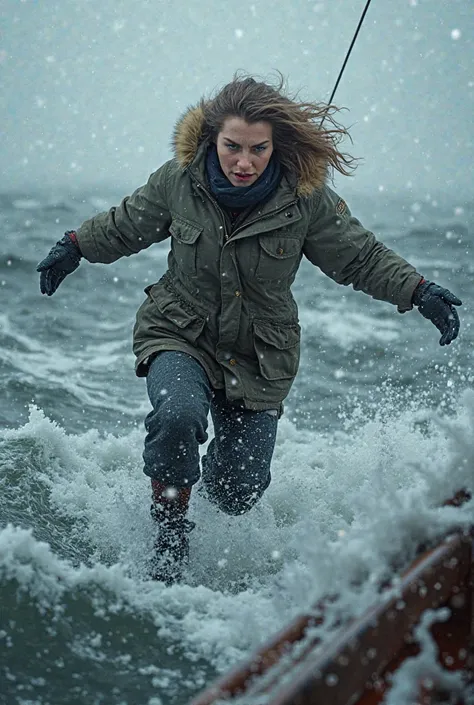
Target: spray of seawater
point(343, 512)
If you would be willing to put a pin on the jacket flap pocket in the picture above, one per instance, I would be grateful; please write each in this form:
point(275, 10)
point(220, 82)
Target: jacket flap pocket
point(185, 231)
point(175, 310)
point(277, 335)
point(277, 349)
point(280, 247)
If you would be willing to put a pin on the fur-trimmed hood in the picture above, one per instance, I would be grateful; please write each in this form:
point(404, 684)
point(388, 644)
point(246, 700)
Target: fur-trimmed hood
point(188, 135)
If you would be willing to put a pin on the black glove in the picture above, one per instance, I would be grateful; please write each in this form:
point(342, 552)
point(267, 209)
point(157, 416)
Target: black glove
point(62, 259)
point(437, 304)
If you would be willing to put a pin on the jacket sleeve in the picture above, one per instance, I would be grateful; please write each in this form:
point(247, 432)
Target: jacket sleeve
point(343, 249)
point(140, 220)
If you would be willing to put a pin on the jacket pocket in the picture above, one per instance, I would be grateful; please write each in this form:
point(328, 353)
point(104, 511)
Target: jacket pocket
point(176, 311)
point(279, 256)
point(184, 239)
point(278, 350)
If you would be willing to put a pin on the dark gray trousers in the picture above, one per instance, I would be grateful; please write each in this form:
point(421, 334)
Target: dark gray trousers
point(236, 467)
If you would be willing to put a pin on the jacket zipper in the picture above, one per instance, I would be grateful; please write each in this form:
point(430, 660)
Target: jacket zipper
point(217, 207)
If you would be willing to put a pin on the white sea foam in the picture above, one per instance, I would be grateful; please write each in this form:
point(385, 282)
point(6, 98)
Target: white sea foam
point(424, 667)
point(27, 204)
point(78, 373)
point(345, 324)
point(341, 509)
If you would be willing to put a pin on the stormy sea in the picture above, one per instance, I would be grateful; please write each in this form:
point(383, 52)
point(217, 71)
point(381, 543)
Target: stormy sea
point(377, 432)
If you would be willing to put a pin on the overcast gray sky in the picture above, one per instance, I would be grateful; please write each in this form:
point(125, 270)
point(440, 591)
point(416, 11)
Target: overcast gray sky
point(91, 89)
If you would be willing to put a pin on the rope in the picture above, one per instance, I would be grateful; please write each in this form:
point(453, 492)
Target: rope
point(347, 55)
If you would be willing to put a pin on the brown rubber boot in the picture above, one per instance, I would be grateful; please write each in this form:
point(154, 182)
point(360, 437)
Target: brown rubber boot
point(171, 549)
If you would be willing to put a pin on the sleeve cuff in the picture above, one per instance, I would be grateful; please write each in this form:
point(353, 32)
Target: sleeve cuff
point(406, 299)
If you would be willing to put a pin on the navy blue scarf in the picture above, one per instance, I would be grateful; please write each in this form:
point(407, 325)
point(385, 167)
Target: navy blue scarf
point(241, 196)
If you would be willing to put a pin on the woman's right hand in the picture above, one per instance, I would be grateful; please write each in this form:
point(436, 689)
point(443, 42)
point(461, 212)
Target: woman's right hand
point(61, 260)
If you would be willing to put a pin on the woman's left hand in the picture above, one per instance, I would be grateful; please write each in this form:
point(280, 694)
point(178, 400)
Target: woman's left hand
point(437, 304)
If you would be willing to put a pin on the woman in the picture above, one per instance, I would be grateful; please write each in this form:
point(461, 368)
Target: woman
point(243, 200)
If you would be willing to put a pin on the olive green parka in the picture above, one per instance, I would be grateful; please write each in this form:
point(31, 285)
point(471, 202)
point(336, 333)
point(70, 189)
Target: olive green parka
point(225, 298)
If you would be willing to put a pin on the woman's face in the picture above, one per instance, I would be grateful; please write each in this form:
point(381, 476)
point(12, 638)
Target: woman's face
point(244, 150)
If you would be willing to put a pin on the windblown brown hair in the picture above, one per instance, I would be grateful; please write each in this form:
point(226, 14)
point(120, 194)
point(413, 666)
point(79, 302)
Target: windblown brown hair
point(304, 134)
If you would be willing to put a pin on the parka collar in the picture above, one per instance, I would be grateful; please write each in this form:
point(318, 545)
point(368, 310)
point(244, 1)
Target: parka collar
point(285, 193)
point(190, 148)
